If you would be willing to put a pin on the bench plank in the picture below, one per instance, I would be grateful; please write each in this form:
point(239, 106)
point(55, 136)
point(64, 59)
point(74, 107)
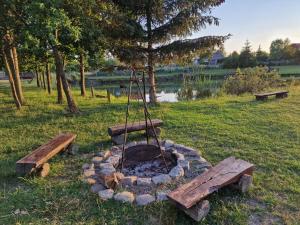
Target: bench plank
point(226, 172)
point(43, 153)
point(136, 126)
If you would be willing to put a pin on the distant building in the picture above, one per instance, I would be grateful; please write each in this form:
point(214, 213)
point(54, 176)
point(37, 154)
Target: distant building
point(296, 46)
point(2, 75)
point(216, 58)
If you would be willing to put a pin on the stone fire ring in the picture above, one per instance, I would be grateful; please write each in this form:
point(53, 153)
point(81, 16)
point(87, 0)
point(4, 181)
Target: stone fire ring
point(142, 188)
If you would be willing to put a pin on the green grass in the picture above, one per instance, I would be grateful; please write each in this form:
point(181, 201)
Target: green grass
point(264, 133)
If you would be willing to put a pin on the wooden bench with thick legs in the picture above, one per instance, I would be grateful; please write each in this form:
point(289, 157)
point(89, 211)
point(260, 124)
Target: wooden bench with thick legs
point(117, 132)
point(190, 197)
point(36, 161)
point(278, 94)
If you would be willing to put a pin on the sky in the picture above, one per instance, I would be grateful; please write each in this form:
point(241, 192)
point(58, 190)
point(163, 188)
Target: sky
point(259, 21)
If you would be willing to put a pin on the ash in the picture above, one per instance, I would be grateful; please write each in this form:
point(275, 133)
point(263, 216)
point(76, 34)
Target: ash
point(147, 169)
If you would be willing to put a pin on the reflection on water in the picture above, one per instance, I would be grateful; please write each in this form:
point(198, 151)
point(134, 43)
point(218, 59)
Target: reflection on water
point(166, 92)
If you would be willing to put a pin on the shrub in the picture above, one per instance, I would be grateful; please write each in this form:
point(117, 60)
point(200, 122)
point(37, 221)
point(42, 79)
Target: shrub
point(251, 80)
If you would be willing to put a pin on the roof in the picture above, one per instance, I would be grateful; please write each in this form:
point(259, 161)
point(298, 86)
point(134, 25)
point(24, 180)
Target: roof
point(296, 45)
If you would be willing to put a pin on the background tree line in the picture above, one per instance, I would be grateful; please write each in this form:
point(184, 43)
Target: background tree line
point(41, 36)
point(282, 52)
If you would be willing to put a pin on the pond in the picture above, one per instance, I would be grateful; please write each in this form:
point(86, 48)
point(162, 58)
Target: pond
point(170, 92)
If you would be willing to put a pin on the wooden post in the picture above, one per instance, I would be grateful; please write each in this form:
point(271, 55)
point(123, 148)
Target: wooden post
point(108, 95)
point(199, 211)
point(92, 91)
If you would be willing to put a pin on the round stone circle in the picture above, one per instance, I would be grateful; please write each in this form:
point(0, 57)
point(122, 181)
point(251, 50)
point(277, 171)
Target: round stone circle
point(145, 183)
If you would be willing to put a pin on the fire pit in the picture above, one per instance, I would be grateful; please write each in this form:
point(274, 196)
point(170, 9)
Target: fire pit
point(148, 172)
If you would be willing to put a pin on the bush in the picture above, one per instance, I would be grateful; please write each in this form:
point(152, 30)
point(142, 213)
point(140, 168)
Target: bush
point(251, 80)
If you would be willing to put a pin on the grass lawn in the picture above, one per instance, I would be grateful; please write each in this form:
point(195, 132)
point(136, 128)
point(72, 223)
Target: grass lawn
point(264, 133)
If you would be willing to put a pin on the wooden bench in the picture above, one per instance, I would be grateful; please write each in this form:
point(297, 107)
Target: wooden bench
point(117, 132)
point(278, 94)
point(190, 197)
point(36, 161)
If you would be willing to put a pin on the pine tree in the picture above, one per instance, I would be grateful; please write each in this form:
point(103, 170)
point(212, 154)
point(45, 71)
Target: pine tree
point(152, 31)
point(247, 58)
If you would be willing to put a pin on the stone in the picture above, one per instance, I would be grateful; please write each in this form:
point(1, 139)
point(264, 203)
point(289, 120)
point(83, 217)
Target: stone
point(161, 179)
point(89, 173)
point(199, 211)
point(90, 181)
point(162, 195)
point(129, 180)
point(179, 156)
point(106, 194)
point(124, 196)
point(106, 165)
point(119, 176)
point(142, 143)
point(143, 181)
point(145, 199)
point(105, 154)
point(114, 160)
point(97, 187)
point(97, 160)
point(169, 144)
point(185, 164)
point(176, 172)
point(244, 183)
point(85, 166)
point(118, 140)
point(115, 149)
point(107, 171)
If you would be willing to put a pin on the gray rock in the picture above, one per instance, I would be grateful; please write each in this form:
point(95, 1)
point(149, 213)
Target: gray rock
point(97, 187)
point(143, 181)
point(89, 173)
point(106, 165)
point(177, 172)
point(124, 196)
point(169, 144)
point(185, 164)
point(106, 194)
point(142, 142)
point(146, 199)
point(107, 171)
point(115, 149)
point(129, 180)
point(74, 149)
point(85, 166)
point(114, 160)
point(105, 154)
point(162, 195)
point(179, 156)
point(161, 179)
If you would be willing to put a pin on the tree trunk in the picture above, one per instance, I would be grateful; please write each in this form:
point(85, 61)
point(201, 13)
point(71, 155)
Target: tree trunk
point(152, 90)
point(17, 75)
point(11, 81)
point(43, 78)
point(48, 74)
point(82, 77)
point(59, 88)
point(38, 83)
point(60, 70)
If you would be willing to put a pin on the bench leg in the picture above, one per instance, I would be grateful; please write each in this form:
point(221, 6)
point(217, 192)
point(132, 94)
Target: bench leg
point(72, 149)
point(244, 183)
point(44, 170)
point(261, 98)
point(151, 132)
point(199, 211)
point(285, 95)
point(118, 140)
